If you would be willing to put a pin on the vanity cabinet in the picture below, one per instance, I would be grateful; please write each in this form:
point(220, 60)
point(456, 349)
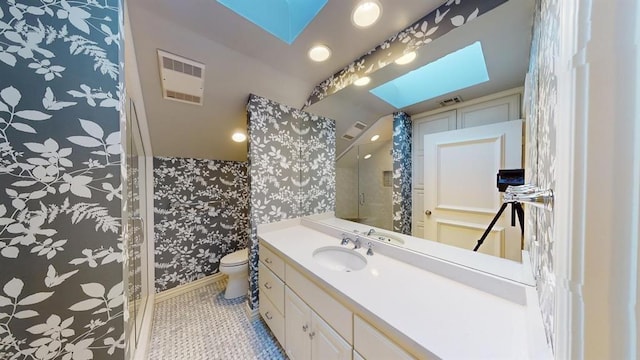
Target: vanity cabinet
point(270, 281)
point(310, 323)
point(371, 344)
point(308, 336)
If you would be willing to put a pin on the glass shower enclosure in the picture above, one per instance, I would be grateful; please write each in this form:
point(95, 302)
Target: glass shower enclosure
point(135, 222)
point(364, 184)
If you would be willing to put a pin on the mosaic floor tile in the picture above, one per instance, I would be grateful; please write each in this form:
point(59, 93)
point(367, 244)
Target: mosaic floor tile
point(203, 325)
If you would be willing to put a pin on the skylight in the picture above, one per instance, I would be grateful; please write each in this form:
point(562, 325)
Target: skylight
point(285, 19)
point(458, 70)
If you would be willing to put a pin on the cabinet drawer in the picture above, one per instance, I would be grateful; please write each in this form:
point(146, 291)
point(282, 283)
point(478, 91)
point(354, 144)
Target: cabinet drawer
point(273, 261)
point(271, 286)
point(373, 345)
point(273, 318)
point(334, 313)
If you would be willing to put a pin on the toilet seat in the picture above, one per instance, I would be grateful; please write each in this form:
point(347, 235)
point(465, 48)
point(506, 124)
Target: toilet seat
point(236, 258)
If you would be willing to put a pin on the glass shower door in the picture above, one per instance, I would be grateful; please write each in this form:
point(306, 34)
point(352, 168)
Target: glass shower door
point(136, 239)
point(375, 182)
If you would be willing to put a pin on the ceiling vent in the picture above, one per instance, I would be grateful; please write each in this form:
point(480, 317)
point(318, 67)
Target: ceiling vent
point(182, 79)
point(354, 131)
point(453, 100)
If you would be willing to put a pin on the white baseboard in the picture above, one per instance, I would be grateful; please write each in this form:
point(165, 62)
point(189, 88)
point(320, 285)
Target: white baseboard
point(182, 289)
point(252, 314)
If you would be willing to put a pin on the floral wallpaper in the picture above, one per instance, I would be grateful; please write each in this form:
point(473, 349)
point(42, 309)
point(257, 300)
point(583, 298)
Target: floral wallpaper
point(291, 169)
point(401, 153)
point(200, 215)
point(541, 153)
point(61, 284)
point(450, 15)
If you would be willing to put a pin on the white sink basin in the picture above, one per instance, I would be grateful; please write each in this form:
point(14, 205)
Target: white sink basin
point(339, 258)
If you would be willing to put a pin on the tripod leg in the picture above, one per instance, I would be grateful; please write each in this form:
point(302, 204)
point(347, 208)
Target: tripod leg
point(493, 222)
point(520, 212)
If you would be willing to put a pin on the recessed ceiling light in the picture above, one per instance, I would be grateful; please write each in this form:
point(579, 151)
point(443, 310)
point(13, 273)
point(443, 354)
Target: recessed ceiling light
point(362, 81)
point(238, 137)
point(367, 156)
point(375, 137)
point(366, 13)
point(319, 53)
point(406, 58)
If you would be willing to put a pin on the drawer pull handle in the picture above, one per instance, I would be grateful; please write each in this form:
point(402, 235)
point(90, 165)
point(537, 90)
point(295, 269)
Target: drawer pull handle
point(312, 334)
point(268, 316)
point(268, 260)
point(267, 285)
point(305, 327)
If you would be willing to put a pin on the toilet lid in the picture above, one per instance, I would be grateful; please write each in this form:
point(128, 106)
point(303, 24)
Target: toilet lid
point(236, 258)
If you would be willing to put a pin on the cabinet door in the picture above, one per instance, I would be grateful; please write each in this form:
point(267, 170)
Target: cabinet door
point(371, 344)
point(326, 343)
point(297, 327)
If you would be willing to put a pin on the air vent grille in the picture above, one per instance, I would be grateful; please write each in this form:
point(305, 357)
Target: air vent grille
point(354, 131)
point(183, 97)
point(175, 65)
point(451, 101)
point(182, 79)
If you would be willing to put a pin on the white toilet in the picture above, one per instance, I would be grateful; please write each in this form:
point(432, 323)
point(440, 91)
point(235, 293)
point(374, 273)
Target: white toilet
point(236, 266)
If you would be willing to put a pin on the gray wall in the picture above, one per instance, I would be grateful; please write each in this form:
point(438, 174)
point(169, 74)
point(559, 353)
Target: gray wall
point(60, 247)
point(541, 151)
point(291, 169)
point(191, 240)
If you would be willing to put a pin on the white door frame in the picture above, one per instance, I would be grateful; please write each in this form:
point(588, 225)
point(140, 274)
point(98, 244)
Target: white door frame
point(597, 195)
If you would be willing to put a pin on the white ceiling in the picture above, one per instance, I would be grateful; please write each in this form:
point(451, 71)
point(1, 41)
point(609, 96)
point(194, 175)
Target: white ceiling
point(241, 59)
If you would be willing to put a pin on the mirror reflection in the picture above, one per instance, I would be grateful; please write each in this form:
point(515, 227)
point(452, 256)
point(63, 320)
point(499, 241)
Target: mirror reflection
point(454, 194)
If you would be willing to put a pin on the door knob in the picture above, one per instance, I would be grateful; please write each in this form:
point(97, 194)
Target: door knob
point(428, 212)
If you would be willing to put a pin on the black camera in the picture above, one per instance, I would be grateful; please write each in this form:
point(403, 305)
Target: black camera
point(508, 177)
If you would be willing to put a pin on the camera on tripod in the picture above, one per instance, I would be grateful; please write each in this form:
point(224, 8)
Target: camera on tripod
point(509, 177)
point(504, 179)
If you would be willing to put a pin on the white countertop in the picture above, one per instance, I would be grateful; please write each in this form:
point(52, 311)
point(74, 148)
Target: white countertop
point(439, 315)
point(497, 266)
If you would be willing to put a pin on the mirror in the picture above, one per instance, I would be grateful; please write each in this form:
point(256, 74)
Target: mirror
point(505, 35)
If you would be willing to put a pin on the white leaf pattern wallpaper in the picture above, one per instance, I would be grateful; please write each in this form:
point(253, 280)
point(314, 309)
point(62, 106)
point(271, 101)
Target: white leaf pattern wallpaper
point(61, 275)
point(401, 152)
point(541, 152)
point(432, 26)
point(291, 169)
point(201, 213)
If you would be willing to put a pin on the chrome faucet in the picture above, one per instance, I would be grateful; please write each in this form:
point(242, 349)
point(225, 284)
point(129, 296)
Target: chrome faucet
point(369, 248)
point(346, 240)
point(371, 231)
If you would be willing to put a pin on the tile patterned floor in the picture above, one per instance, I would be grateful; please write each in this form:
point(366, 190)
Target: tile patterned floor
point(203, 325)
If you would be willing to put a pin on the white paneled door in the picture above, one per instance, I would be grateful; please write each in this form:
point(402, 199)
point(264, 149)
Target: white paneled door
point(461, 197)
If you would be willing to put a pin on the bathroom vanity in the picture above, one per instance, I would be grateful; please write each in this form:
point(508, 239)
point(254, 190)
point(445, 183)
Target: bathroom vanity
point(324, 300)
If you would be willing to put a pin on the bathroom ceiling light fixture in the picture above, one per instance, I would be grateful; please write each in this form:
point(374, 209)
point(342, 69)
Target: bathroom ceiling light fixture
point(319, 53)
point(406, 58)
point(368, 156)
point(362, 81)
point(375, 137)
point(238, 137)
point(366, 13)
